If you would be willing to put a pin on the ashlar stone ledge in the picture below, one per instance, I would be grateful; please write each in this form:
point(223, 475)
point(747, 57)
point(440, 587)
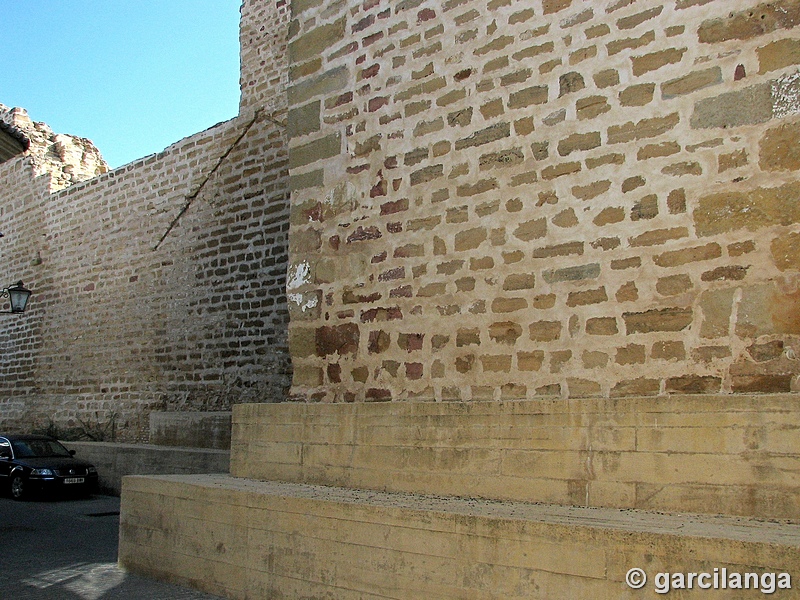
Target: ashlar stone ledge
point(734, 454)
point(242, 539)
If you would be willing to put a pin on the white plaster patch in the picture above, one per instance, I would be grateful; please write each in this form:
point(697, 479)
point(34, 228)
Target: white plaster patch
point(345, 194)
point(298, 275)
point(303, 302)
point(786, 95)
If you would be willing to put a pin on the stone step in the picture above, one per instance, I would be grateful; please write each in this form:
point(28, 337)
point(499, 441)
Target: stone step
point(727, 454)
point(241, 538)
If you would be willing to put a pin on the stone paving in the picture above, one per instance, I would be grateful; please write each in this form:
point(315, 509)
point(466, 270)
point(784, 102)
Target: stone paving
point(67, 550)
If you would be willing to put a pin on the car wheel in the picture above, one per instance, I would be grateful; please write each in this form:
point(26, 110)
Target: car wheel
point(17, 487)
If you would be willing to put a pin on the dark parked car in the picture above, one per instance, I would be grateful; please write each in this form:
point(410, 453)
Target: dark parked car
point(37, 463)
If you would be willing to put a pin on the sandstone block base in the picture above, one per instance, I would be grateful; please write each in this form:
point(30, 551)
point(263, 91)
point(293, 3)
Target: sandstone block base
point(244, 539)
point(736, 454)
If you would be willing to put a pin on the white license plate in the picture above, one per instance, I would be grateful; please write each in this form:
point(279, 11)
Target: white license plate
point(73, 480)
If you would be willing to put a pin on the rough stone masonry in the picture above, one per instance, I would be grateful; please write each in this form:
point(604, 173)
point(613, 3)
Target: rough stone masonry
point(490, 199)
point(159, 285)
point(498, 199)
point(505, 199)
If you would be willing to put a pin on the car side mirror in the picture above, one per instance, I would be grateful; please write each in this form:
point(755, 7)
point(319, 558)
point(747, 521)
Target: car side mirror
point(72, 452)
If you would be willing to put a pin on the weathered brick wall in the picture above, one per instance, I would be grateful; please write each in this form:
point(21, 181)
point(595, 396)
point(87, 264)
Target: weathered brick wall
point(264, 64)
point(133, 310)
point(159, 285)
point(504, 199)
point(22, 195)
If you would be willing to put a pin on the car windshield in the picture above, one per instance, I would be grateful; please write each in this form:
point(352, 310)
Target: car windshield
point(38, 448)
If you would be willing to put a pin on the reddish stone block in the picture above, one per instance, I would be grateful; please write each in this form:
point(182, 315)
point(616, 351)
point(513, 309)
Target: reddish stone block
point(376, 103)
point(371, 39)
point(363, 23)
point(392, 274)
point(378, 395)
point(335, 373)
point(765, 384)
point(426, 14)
point(338, 339)
point(414, 371)
point(766, 351)
point(381, 314)
point(361, 234)
point(694, 384)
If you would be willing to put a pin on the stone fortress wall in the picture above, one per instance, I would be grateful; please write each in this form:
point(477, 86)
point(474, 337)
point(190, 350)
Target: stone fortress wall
point(489, 200)
point(503, 199)
point(157, 286)
point(578, 220)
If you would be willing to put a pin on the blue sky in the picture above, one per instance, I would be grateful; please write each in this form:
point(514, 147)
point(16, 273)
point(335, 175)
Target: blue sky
point(133, 76)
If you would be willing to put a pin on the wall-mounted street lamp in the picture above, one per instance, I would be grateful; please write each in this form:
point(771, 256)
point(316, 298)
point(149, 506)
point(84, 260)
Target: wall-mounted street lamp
point(18, 295)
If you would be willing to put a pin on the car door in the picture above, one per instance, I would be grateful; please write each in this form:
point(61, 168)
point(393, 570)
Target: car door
point(5, 460)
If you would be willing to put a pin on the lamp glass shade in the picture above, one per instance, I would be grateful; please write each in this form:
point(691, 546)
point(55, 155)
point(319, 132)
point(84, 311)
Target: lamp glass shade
point(18, 296)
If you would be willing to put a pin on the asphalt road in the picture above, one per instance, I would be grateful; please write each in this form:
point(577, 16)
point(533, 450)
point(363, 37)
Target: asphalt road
point(67, 550)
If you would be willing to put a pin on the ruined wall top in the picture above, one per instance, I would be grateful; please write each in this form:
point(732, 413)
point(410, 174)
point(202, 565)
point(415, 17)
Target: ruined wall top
point(69, 158)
